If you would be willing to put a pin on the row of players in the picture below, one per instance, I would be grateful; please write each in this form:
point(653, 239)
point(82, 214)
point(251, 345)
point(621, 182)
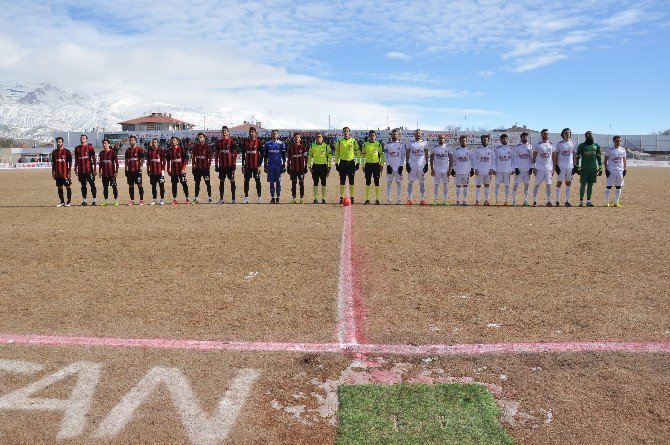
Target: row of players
point(484, 162)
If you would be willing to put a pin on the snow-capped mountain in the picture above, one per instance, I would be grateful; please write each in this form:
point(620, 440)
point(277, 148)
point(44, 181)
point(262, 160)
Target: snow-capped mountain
point(35, 111)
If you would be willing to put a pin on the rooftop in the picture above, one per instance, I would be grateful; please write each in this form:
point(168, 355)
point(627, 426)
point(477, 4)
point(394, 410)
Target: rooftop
point(246, 125)
point(516, 129)
point(156, 118)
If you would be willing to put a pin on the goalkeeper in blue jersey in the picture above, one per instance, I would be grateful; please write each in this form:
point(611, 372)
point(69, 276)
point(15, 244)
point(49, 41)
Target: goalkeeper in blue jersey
point(274, 159)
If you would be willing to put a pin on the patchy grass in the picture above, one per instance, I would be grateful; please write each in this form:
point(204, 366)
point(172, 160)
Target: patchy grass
point(458, 414)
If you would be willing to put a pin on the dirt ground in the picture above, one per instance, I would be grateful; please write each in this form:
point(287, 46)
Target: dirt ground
point(490, 274)
point(545, 399)
point(427, 275)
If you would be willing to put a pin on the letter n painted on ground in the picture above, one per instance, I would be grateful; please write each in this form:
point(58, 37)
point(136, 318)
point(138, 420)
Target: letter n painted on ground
point(201, 428)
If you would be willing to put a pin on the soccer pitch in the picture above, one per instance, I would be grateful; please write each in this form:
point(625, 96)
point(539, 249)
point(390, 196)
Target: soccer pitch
point(237, 324)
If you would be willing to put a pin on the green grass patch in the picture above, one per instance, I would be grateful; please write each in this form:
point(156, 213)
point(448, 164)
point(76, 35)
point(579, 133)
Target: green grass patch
point(421, 414)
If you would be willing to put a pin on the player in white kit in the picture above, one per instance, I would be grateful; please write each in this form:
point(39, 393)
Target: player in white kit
point(615, 170)
point(543, 166)
point(502, 165)
point(461, 169)
point(439, 169)
point(564, 162)
point(394, 152)
point(417, 166)
point(482, 162)
point(521, 163)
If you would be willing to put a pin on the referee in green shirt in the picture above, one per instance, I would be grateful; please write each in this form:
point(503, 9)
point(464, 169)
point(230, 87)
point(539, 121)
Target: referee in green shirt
point(318, 161)
point(372, 154)
point(347, 161)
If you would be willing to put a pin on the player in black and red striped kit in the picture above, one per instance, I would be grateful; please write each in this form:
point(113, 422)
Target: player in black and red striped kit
point(109, 167)
point(61, 165)
point(201, 160)
point(296, 166)
point(176, 159)
point(134, 161)
point(84, 167)
point(226, 162)
point(155, 169)
point(252, 159)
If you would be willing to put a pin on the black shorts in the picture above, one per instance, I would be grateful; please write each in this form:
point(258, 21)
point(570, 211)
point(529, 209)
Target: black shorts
point(199, 173)
point(319, 172)
point(85, 177)
point(251, 172)
point(227, 172)
point(60, 182)
point(134, 178)
point(156, 179)
point(297, 176)
point(178, 178)
point(110, 180)
point(347, 169)
point(371, 170)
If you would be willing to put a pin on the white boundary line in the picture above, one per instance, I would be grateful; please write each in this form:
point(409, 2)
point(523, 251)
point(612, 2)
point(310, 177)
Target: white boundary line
point(346, 318)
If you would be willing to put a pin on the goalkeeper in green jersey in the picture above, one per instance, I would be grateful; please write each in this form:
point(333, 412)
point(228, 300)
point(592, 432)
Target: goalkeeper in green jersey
point(318, 161)
point(347, 161)
point(372, 153)
point(588, 153)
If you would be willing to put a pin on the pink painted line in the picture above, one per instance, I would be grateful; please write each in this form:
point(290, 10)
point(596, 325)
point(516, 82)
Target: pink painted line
point(515, 348)
point(457, 349)
point(348, 295)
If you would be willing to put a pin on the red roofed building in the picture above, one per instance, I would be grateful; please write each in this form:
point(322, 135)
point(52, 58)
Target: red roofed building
point(155, 122)
point(246, 125)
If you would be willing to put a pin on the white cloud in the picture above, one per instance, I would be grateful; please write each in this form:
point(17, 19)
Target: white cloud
point(397, 55)
point(275, 55)
point(285, 30)
point(546, 48)
point(12, 53)
point(538, 62)
point(624, 18)
point(234, 83)
point(405, 77)
point(485, 73)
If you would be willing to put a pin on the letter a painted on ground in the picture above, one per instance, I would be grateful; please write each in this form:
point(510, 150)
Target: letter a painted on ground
point(75, 408)
point(201, 428)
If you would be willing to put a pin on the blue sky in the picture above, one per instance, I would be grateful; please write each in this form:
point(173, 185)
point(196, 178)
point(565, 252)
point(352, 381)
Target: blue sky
point(586, 65)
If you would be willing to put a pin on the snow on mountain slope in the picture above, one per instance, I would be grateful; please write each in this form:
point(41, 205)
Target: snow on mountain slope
point(35, 111)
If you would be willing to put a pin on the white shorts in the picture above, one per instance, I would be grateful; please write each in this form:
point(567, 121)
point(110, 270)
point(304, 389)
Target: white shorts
point(565, 174)
point(482, 179)
point(442, 177)
point(395, 176)
point(502, 178)
point(615, 179)
point(524, 177)
point(460, 180)
point(416, 174)
point(544, 175)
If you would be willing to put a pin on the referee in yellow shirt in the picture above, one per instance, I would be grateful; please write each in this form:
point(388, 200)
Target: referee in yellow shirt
point(372, 154)
point(319, 162)
point(347, 161)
